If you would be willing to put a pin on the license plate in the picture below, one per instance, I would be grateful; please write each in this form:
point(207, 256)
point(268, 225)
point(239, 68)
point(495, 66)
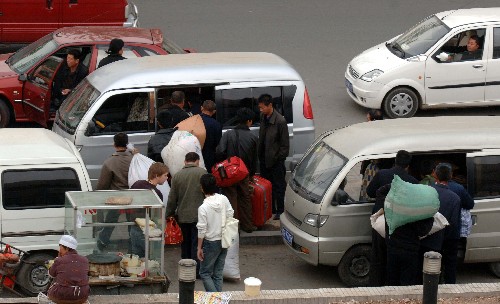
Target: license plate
point(287, 235)
point(348, 84)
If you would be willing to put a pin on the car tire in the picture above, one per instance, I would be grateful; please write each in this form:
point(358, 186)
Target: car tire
point(33, 276)
point(495, 268)
point(4, 114)
point(354, 268)
point(400, 103)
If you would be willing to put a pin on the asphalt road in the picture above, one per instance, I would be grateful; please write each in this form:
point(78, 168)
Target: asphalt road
point(317, 37)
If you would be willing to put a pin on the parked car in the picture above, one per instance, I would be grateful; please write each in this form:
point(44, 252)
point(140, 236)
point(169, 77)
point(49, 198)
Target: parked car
point(25, 21)
point(27, 75)
point(421, 68)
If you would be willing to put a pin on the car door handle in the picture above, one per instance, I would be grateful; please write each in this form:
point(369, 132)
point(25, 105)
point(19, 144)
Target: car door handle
point(474, 219)
point(477, 66)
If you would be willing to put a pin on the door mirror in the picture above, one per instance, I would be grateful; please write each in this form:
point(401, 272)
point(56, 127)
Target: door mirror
point(292, 165)
point(340, 197)
point(90, 129)
point(22, 77)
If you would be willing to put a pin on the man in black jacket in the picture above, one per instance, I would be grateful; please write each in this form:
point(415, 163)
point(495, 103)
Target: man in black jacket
point(68, 76)
point(115, 52)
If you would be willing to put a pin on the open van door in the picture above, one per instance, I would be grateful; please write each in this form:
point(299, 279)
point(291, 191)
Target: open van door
point(37, 90)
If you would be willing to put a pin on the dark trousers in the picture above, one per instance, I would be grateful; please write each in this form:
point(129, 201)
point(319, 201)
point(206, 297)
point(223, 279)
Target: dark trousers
point(189, 243)
point(378, 262)
point(449, 261)
point(239, 197)
point(402, 267)
point(276, 175)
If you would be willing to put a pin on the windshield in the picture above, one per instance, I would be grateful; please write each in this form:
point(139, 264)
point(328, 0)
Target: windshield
point(316, 171)
point(419, 38)
point(21, 61)
point(76, 105)
point(171, 47)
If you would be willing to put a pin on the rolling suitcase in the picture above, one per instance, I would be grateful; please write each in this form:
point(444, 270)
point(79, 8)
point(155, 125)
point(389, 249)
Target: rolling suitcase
point(261, 200)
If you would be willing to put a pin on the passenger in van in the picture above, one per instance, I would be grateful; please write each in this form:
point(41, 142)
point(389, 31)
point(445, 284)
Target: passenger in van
point(274, 145)
point(68, 76)
point(114, 51)
point(162, 137)
point(175, 107)
point(213, 130)
point(427, 172)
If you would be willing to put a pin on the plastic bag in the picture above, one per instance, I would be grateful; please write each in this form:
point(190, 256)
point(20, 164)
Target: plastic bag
point(173, 233)
point(180, 144)
point(232, 265)
point(138, 170)
point(440, 222)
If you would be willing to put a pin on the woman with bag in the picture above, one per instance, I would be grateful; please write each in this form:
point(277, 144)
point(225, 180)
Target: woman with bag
point(210, 217)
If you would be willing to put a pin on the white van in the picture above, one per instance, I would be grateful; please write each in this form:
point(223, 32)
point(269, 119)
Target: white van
point(37, 167)
point(326, 219)
point(232, 80)
point(431, 66)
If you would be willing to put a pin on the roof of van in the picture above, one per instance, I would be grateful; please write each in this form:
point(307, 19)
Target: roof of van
point(33, 146)
point(209, 68)
point(419, 134)
point(92, 34)
point(458, 17)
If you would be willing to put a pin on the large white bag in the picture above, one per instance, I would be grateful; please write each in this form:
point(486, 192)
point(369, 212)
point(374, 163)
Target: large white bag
point(138, 170)
point(232, 265)
point(175, 152)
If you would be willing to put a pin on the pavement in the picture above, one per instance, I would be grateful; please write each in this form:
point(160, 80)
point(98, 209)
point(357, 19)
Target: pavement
point(270, 235)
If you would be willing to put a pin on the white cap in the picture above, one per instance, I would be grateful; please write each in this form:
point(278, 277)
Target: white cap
point(68, 241)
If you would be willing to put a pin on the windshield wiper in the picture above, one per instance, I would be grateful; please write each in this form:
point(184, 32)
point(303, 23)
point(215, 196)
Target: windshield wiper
point(398, 48)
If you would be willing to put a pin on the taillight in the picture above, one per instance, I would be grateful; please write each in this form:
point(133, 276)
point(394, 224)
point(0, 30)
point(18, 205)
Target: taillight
point(306, 107)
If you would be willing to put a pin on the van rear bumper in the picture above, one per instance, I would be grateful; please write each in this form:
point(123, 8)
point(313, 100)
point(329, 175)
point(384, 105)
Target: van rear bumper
point(301, 241)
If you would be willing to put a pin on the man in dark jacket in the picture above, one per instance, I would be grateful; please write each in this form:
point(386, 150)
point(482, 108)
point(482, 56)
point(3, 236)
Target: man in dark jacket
point(115, 52)
point(214, 133)
point(274, 145)
point(175, 107)
point(161, 139)
point(241, 142)
point(68, 76)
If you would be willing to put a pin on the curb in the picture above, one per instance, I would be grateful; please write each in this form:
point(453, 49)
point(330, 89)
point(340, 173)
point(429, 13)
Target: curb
point(316, 296)
point(261, 238)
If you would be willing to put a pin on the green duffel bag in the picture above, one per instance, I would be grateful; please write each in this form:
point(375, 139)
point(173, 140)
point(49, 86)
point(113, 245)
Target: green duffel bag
point(406, 203)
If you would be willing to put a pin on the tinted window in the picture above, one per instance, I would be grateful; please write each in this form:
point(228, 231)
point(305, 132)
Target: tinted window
point(486, 180)
point(496, 43)
point(36, 189)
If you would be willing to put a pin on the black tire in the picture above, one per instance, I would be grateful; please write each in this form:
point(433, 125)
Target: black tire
point(400, 103)
point(4, 114)
point(33, 276)
point(495, 268)
point(354, 268)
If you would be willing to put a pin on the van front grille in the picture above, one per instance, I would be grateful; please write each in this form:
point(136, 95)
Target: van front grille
point(293, 219)
point(353, 72)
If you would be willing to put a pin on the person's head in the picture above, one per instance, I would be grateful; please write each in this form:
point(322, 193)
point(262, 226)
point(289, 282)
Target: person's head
point(120, 140)
point(165, 120)
point(245, 116)
point(178, 98)
point(66, 244)
point(116, 47)
point(208, 185)
point(73, 58)
point(208, 107)
point(192, 158)
point(374, 114)
point(473, 44)
point(266, 104)
point(403, 159)
point(443, 172)
point(158, 173)
point(426, 167)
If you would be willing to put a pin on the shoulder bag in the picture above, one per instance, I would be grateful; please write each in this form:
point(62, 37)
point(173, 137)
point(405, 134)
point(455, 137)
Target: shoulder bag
point(229, 229)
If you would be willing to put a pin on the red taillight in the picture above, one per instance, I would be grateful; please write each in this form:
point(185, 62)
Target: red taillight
point(306, 107)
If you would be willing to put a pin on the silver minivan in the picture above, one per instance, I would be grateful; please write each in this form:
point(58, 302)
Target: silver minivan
point(326, 219)
point(103, 103)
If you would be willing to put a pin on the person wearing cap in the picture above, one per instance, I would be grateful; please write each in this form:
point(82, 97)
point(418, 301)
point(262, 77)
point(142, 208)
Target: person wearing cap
point(70, 274)
point(114, 52)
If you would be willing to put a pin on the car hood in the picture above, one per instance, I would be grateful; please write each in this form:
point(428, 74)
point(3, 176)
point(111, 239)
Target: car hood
point(5, 70)
point(377, 57)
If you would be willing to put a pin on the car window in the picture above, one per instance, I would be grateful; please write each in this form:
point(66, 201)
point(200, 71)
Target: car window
point(25, 58)
point(496, 43)
point(456, 48)
point(44, 73)
point(486, 180)
point(128, 52)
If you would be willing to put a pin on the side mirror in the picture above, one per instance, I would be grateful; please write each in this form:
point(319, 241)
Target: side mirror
point(22, 77)
point(90, 129)
point(292, 165)
point(340, 197)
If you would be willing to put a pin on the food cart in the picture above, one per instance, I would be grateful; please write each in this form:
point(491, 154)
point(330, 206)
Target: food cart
point(117, 266)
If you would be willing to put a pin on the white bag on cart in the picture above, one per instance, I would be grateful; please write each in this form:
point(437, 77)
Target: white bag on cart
point(175, 152)
point(138, 170)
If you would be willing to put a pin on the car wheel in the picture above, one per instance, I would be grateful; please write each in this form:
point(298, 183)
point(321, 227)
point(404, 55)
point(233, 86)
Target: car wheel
point(354, 268)
point(4, 114)
point(495, 268)
point(401, 103)
point(33, 276)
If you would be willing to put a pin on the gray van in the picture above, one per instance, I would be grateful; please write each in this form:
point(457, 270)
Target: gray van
point(326, 219)
point(101, 105)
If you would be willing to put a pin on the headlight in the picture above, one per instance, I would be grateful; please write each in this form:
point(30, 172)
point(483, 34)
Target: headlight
point(368, 77)
point(315, 220)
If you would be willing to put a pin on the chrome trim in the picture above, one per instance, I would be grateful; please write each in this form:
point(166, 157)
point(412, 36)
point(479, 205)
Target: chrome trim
point(32, 105)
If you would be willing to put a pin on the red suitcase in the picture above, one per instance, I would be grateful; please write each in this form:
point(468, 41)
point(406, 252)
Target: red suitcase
point(261, 200)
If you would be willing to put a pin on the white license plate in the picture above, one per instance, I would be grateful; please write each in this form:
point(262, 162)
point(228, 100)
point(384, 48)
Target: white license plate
point(348, 84)
point(287, 235)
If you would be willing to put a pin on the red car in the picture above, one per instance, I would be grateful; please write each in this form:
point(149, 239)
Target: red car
point(26, 77)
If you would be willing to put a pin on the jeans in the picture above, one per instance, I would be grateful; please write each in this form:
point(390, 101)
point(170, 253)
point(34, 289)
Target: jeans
point(212, 265)
point(276, 175)
point(105, 234)
point(137, 241)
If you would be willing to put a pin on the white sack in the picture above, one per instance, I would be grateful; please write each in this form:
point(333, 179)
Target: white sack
point(175, 152)
point(232, 265)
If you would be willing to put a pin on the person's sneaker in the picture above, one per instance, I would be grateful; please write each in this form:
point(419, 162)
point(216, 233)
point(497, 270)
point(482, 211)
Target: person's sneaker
point(277, 217)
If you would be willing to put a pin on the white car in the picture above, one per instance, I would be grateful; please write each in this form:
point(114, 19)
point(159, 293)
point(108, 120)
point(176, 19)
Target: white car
point(450, 59)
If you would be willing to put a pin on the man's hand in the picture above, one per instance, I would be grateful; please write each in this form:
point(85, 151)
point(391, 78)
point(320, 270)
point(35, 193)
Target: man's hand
point(65, 91)
point(200, 254)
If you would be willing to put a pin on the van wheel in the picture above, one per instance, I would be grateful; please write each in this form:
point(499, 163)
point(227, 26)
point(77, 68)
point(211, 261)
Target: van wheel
point(4, 114)
point(495, 268)
point(354, 268)
point(33, 276)
point(400, 103)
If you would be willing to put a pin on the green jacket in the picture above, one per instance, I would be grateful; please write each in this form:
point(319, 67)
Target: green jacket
point(185, 194)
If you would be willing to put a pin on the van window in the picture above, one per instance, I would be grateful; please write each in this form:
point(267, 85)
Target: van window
point(496, 43)
point(37, 188)
point(486, 181)
point(229, 101)
point(194, 97)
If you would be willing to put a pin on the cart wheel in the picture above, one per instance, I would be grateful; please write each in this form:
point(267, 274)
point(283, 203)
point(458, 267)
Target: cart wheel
point(33, 276)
